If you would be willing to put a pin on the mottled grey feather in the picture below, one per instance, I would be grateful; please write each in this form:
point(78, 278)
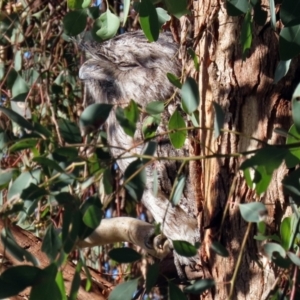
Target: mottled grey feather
point(129, 67)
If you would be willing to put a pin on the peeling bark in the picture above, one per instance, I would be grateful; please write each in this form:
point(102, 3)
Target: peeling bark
point(253, 107)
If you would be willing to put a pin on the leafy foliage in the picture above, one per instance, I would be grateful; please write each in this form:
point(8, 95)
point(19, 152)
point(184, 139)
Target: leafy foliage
point(54, 177)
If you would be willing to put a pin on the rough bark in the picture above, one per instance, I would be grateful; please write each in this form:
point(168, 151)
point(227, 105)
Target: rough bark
point(254, 107)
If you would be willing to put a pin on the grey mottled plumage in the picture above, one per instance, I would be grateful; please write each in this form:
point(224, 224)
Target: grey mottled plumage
point(129, 67)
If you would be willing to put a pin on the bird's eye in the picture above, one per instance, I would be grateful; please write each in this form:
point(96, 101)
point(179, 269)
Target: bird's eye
point(124, 66)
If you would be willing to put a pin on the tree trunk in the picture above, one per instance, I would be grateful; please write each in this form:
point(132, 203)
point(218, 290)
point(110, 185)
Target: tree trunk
point(253, 107)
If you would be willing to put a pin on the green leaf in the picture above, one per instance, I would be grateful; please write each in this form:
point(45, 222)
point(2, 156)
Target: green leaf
point(51, 243)
point(124, 255)
point(155, 107)
point(61, 285)
point(219, 249)
point(19, 89)
point(92, 215)
point(219, 119)
point(76, 281)
point(22, 182)
point(176, 196)
point(281, 70)
point(128, 117)
point(285, 233)
point(69, 131)
point(294, 258)
point(184, 248)
point(176, 122)
point(163, 16)
point(33, 192)
point(16, 279)
point(24, 144)
point(137, 175)
point(18, 252)
point(74, 4)
point(289, 42)
point(47, 285)
point(200, 286)
point(270, 248)
point(292, 158)
point(126, 4)
point(289, 11)
point(190, 95)
point(70, 228)
point(149, 150)
point(74, 22)
point(18, 61)
point(150, 125)
point(237, 7)
point(15, 117)
point(291, 185)
point(178, 8)
point(246, 34)
point(253, 212)
point(7, 175)
point(49, 163)
point(264, 162)
point(174, 80)
point(149, 20)
point(273, 14)
point(108, 181)
point(151, 276)
point(175, 293)
point(296, 108)
point(94, 116)
point(109, 25)
point(124, 291)
point(192, 53)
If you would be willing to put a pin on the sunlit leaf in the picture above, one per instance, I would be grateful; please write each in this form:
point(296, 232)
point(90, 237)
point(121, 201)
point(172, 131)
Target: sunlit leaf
point(185, 248)
point(177, 137)
point(246, 34)
point(109, 25)
point(149, 20)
